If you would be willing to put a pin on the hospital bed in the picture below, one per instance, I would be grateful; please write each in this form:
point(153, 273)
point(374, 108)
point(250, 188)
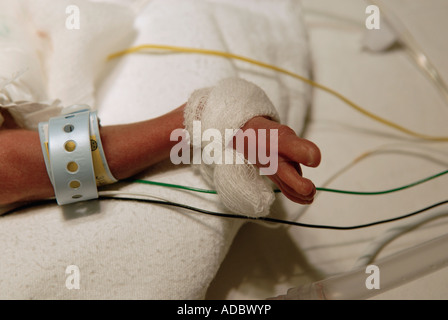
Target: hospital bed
point(138, 250)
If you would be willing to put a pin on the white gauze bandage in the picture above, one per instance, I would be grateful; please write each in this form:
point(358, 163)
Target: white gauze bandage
point(229, 105)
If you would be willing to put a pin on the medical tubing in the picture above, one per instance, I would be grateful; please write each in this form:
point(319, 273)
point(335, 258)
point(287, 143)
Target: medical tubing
point(420, 58)
point(393, 271)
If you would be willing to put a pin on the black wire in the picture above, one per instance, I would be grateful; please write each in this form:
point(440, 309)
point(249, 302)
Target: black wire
point(237, 216)
point(360, 225)
point(274, 220)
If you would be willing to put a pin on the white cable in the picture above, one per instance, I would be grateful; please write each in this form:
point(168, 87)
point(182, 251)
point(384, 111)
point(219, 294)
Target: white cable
point(381, 241)
point(413, 49)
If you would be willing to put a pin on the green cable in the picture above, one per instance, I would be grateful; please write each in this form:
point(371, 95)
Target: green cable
point(169, 185)
point(162, 184)
point(386, 191)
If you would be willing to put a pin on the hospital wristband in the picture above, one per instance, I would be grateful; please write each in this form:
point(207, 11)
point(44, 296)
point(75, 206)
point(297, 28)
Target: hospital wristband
point(74, 156)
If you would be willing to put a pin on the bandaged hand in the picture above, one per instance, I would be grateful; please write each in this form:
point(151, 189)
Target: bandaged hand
point(238, 104)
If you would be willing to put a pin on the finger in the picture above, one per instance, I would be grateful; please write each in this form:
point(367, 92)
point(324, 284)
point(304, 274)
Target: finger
point(289, 175)
point(290, 193)
point(300, 150)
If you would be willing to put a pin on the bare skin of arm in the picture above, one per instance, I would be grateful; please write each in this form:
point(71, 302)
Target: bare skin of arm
point(131, 148)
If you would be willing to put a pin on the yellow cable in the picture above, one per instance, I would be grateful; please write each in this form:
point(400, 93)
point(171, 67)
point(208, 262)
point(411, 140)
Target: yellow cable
point(284, 71)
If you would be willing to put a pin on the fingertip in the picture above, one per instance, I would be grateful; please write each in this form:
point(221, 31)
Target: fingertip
point(290, 176)
point(303, 151)
point(314, 155)
point(308, 189)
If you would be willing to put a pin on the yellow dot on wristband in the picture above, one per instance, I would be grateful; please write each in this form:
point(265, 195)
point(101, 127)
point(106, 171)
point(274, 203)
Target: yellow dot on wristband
point(72, 167)
point(74, 184)
point(70, 145)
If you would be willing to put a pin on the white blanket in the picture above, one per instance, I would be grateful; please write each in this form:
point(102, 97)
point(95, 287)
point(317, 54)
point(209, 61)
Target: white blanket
point(130, 250)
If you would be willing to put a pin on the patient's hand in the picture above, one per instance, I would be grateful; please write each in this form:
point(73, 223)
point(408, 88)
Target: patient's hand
point(292, 152)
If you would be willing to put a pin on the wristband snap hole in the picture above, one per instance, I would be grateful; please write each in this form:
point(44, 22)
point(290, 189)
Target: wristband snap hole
point(74, 184)
point(69, 128)
point(70, 145)
point(72, 167)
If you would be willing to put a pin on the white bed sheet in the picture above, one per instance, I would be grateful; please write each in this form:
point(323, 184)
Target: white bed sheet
point(267, 262)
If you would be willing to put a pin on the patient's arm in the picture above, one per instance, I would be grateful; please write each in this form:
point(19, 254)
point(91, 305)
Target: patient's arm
point(131, 148)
